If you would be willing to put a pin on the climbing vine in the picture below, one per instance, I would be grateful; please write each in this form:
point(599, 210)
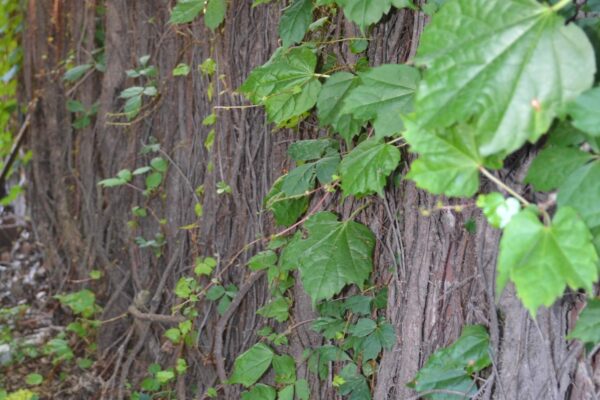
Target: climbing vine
point(489, 78)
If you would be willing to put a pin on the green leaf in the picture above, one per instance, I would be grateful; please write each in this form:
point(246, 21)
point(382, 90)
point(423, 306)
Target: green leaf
point(165, 376)
point(153, 180)
point(507, 66)
point(363, 327)
point(448, 163)
point(142, 170)
point(131, 92)
point(159, 164)
point(181, 70)
point(299, 180)
point(287, 393)
point(76, 72)
point(34, 379)
point(302, 389)
point(186, 11)
point(331, 102)
point(364, 12)
point(354, 384)
point(173, 334)
point(260, 392)
point(553, 165)
point(306, 150)
point(215, 13)
point(251, 365)
point(585, 112)
point(215, 292)
point(132, 106)
point(360, 305)
point(543, 260)
point(183, 288)
point(277, 309)
point(581, 190)
point(286, 85)
point(366, 168)
point(112, 182)
point(262, 260)
point(285, 369)
point(81, 303)
point(334, 255)
point(382, 95)
point(295, 21)
point(75, 106)
point(498, 210)
point(286, 210)
point(587, 328)
point(449, 368)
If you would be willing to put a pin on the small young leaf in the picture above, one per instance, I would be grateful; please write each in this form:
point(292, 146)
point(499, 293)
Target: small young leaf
point(181, 70)
point(286, 210)
point(77, 72)
point(159, 164)
point(285, 369)
point(34, 379)
point(277, 309)
point(498, 210)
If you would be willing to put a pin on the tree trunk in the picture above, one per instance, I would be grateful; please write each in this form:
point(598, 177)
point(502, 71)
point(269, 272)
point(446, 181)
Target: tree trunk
point(440, 276)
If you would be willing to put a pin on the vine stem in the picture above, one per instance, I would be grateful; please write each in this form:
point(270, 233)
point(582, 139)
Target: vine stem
point(504, 186)
point(561, 4)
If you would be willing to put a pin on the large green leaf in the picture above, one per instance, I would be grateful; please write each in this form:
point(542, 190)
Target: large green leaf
point(585, 111)
point(382, 95)
point(295, 21)
point(581, 190)
point(186, 11)
point(331, 102)
point(251, 365)
point(333, 255)
point(286, 85)
point(543, 260)
point(364, 12)
point(449, 368)
point(448, 163)
point(507, 66)
point(587, 328)
point(365, 169)
point(553, 165)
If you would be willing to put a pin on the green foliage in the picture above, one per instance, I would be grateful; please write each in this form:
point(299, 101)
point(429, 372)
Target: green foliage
point(286, 85)
point(81, 303)
point(498, 210)
point(365, 170)
point(450, 368)
point(580, 191)
point(364, 12)
point(564, 161)
point(333, 255)
point(382, 95)
point(587, 328)
point(584, 112)
point(295, 21)
point(462, 72)
point(252, 364)
point(562, 253)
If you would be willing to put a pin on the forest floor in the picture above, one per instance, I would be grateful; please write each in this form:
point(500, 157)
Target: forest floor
point(41, 355)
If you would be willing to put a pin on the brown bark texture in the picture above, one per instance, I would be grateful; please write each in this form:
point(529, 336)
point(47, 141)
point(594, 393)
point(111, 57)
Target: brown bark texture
point(440, 276)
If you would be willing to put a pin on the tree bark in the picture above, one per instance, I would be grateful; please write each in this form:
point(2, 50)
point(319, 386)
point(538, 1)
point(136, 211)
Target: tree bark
point(440, 276)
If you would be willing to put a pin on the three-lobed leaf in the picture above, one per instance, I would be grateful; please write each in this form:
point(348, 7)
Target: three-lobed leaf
point(286, 85)
point(507, 66)
point(333, 255)
point(366, 168)
point(542, 261)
